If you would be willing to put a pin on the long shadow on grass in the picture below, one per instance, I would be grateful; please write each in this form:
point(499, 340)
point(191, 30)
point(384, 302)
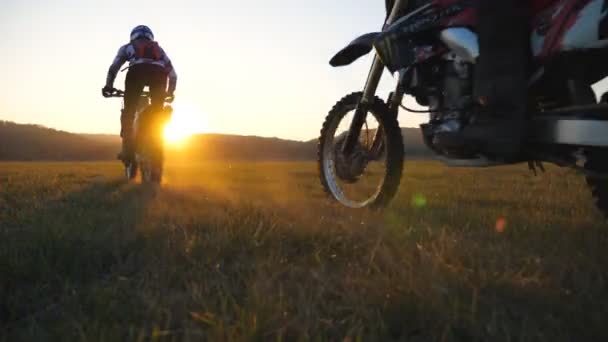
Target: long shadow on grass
point(71, 241)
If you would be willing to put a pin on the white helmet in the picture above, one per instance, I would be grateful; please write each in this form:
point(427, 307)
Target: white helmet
point(142, 31)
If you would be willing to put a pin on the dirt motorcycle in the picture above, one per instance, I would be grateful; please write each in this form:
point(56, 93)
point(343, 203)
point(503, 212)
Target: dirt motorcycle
point(148, 128)
point(433, 49)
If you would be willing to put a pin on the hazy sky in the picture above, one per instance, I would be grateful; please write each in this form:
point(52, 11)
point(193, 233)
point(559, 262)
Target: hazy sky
point(246, 67)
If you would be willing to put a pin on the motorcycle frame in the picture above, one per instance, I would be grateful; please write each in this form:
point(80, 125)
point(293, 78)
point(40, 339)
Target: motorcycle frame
point(143, 118)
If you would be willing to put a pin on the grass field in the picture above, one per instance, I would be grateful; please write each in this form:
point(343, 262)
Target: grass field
point(247, 251)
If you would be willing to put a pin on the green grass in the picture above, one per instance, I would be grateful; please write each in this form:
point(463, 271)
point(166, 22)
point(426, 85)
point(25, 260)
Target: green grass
point(247, 251)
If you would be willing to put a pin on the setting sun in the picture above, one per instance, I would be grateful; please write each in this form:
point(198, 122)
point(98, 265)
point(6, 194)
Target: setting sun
point(185, 121)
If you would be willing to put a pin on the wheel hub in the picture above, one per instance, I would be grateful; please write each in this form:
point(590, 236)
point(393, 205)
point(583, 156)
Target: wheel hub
point(350, 167)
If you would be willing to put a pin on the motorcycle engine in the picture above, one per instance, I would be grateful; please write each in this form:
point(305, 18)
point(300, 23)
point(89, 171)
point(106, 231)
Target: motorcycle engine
point(456, 96)
point(446, 88)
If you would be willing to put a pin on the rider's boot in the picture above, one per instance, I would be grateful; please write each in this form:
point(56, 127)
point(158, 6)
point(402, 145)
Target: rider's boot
point(498, 123)
point(127, 153)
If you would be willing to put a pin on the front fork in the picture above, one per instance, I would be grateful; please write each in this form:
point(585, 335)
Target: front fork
point(371, 85)
point(394, 100)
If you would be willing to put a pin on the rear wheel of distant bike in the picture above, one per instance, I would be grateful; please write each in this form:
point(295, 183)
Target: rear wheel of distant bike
point(597, 165)
point(152, 164)
point(156, 174)
point(131, 170)
point(370, 175)
point(146, 171)
point(157, 159)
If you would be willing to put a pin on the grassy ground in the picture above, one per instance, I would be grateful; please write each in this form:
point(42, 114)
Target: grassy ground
point(255, 252)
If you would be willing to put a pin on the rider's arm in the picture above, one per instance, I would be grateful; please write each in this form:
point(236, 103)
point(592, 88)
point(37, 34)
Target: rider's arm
point(171, 74)
point(119, 60)
point(172, 81)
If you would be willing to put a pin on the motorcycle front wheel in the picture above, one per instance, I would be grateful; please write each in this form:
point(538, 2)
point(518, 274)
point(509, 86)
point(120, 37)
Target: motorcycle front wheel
point(370, 175)
point(150, 154)
point(131, 170)
point(151, 168)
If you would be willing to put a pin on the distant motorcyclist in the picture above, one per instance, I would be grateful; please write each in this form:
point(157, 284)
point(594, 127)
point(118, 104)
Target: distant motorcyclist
point(500, 86)
point(149, 66)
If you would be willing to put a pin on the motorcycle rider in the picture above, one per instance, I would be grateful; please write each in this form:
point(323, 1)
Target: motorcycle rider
point(500, 80)
point(149, 66)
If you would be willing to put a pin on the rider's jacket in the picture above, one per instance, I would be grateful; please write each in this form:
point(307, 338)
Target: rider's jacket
point(127, 53)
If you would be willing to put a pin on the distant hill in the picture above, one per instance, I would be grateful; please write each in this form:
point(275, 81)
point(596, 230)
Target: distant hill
point(236, 147)
point(414, 145)
point(113, 139)
point(34, 142)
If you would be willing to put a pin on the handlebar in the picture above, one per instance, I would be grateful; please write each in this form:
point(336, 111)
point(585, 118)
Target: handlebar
point(116, 93)
point(120, 93)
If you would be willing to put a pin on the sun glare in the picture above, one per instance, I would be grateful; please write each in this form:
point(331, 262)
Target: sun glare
point(185, 121)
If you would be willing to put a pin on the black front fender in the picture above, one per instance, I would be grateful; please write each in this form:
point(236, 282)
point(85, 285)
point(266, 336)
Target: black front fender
point(356, 49)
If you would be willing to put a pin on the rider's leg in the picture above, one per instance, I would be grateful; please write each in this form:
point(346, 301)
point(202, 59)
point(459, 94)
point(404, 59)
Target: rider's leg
point(157, 81)
point(502, 67)
point(157, 78)
point(501, 72)
point(134, 86)
point(501, 76)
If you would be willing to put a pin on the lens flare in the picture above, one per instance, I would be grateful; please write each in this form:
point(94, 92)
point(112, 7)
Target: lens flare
point(185, 121)
point(501, 225)
point(419, 201)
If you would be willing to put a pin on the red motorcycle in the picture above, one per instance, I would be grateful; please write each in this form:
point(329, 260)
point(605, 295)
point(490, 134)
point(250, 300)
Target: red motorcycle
point(433, 48)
